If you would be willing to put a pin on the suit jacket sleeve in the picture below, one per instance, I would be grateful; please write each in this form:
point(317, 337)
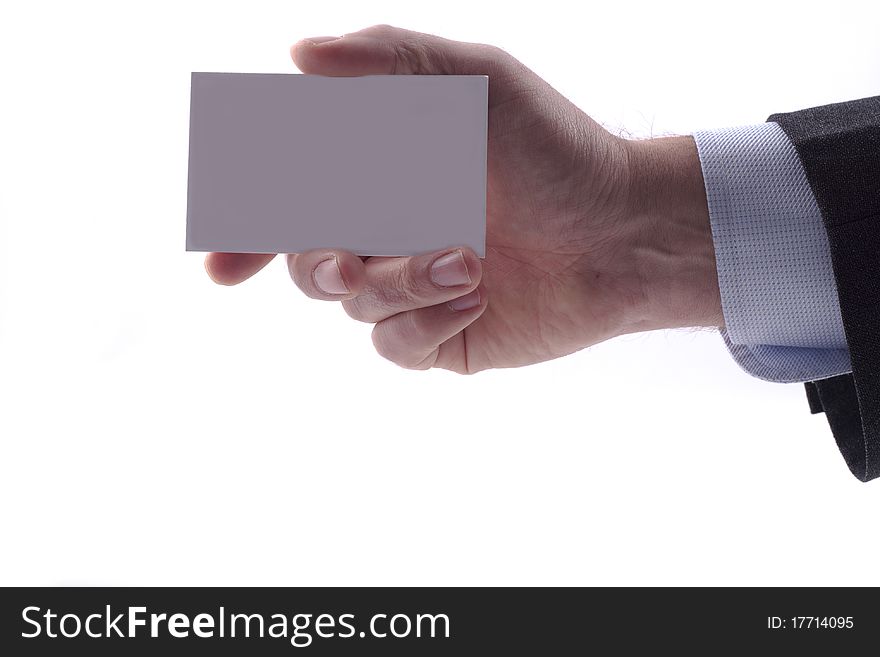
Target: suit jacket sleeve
point(839, 147)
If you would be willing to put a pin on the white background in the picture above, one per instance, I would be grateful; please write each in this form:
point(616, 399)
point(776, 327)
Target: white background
point(158, 429)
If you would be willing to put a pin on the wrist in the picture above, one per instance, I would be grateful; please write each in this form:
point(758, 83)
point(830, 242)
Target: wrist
point(670, 242)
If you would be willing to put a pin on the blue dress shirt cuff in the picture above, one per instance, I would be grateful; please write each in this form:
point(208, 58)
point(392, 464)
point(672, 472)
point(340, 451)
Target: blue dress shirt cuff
point(778, 295)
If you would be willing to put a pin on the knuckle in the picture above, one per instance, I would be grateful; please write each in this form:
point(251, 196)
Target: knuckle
point(494, 60)
point(381, 28)
point(488, 51)
point(417, 56)
point(398, 288)
point(414, 278)
point(394, 341)
point(389, 298)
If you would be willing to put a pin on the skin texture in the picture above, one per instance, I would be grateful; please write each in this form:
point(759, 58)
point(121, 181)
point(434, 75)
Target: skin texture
point(589, 236)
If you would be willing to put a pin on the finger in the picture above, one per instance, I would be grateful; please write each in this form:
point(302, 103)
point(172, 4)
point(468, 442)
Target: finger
point(386, 50)
point(233, 268)
point(327, 274)
point(396, 285)
point(413, 339)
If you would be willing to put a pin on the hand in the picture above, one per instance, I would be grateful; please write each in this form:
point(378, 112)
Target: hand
point(589, 235)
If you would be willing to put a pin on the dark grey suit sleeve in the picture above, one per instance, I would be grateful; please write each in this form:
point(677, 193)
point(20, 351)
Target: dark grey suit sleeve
point(839, 147)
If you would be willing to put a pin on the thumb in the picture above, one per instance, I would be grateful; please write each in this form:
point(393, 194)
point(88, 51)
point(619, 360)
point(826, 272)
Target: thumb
point(386, 50)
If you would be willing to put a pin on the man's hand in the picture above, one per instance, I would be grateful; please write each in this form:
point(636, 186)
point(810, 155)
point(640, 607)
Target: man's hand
point(589, 236)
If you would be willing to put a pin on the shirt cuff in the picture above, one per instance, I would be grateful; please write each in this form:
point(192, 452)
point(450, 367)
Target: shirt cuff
point(778, 295)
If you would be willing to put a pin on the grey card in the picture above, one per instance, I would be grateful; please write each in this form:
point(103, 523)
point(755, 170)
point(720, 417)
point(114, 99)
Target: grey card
point(378, 165)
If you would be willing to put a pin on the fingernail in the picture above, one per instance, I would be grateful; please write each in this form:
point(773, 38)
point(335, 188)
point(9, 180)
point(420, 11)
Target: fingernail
point(468, 301)
point(450, 270)
point(328, 278)
point(314, 41)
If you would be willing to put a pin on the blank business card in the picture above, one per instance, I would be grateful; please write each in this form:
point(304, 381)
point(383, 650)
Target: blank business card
point(378, 165)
